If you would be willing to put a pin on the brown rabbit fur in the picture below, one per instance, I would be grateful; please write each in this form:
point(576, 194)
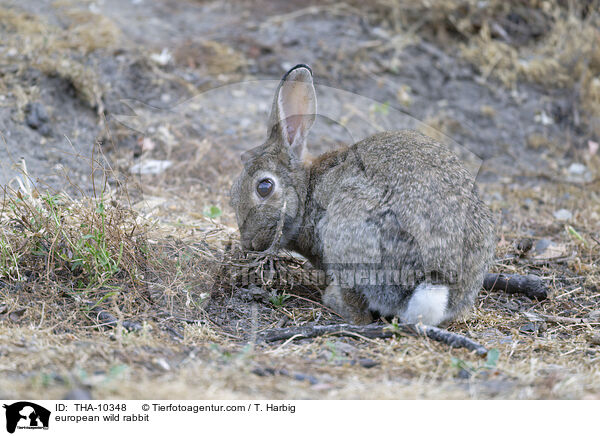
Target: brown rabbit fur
point(394, 220)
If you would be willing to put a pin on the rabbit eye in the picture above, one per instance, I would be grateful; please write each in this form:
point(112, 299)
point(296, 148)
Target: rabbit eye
point(264, 187)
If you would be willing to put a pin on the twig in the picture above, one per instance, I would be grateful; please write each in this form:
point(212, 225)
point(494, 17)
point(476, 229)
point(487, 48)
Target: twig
point(549, 262)
point(496, 27)
point(373, 331)
point(173, 332)
point(197, 322)
point(529, 285)
point(531, 316)
point(264, 372)
point(108, 319)
point(42, 317)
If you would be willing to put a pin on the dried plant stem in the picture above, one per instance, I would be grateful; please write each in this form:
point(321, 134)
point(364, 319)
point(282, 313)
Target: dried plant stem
point(529, 285)
point(373, 331)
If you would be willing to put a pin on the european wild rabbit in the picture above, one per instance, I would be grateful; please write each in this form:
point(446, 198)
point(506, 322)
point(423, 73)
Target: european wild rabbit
point(394, 220)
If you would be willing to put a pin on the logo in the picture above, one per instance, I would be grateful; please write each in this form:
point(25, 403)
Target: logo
point(26, 415)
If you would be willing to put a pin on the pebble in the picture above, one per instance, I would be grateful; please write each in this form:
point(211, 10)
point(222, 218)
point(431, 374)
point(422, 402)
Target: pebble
point(463, 373)
point(368, 363)
point(254, 293)
point(162, 58)
point(528, 328)
point(544, 119)
point(563, 215)
point(577, 169)
point(306, 377)
point(162, 364)
point(150, 166)
point(579, 173)
point(541, 245)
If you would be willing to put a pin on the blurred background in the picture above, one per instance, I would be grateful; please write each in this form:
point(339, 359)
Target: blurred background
point(517, 83)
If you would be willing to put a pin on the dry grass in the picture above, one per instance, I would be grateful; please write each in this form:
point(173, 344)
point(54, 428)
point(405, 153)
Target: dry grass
point(30, 41)
point(186, 290)
point(554, 43)
point(211, 57)
point(92, 261)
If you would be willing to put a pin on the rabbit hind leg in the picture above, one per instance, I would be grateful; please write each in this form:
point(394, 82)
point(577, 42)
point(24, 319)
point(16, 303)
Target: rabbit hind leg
point(347, 303)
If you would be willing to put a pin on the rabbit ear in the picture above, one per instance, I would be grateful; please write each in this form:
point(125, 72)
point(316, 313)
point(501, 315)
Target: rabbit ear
point(247, 155)
point(295, 108)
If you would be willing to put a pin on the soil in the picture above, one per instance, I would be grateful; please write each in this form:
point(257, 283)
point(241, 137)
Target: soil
point(474, 112)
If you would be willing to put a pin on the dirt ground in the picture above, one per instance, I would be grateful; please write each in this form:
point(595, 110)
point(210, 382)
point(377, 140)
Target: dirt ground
point(136, 112)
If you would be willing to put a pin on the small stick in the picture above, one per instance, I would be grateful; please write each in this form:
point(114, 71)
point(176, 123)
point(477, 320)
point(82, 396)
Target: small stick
point(174, 332)
point(109, 320)
point(529, 285)
point(372, 331)
point(558, 319)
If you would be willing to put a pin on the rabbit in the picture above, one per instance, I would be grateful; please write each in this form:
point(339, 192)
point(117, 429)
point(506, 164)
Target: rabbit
point(394, 220)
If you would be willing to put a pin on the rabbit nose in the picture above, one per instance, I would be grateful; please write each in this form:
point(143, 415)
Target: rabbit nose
point(259, 243)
